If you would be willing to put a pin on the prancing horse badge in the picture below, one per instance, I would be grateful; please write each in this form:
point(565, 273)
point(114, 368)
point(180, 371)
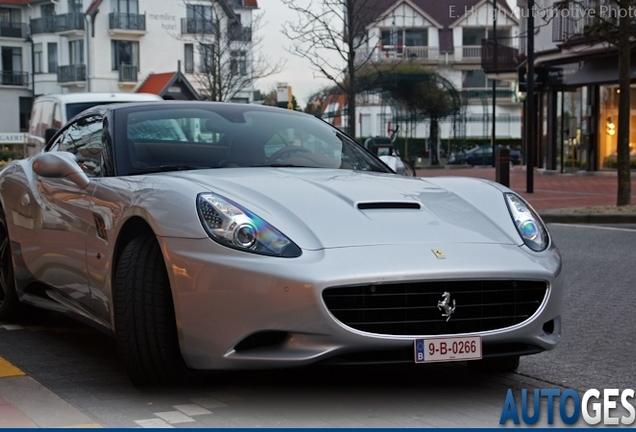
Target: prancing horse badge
point(438, 253)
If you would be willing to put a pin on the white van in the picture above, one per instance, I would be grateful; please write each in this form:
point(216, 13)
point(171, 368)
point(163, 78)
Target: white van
point(51, 112)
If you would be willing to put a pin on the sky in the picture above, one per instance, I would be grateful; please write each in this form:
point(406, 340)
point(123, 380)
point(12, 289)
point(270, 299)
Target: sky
point(297, 73)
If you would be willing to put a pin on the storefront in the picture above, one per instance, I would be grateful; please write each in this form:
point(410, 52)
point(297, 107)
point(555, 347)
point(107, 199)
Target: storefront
point(577, 119)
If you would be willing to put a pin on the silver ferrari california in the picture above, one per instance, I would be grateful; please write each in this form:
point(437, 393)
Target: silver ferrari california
point(207, 236)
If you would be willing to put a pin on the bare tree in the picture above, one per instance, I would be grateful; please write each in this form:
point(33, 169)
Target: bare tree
point(334, 29)
point(609, 22)
point(229, 59)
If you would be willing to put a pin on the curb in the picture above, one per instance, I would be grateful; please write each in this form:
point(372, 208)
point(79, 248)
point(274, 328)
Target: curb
point(589, 218)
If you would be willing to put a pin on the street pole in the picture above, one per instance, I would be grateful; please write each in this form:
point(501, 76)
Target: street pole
point(494, 82)
point(530, 114)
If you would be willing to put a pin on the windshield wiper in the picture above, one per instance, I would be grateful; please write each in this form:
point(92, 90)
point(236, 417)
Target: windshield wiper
point(167, 168)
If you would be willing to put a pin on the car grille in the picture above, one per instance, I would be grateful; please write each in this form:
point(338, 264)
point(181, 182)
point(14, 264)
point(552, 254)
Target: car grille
point(411, 308)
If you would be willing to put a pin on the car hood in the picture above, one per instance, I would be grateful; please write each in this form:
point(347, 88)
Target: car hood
point(321, 208)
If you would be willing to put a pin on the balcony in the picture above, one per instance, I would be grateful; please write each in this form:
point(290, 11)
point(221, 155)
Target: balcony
point(423, 54)
point(127, 74)
point(240, 33)
point(12, 78)
point(501, 54)
point(72, 75)
point(468, 54)
point(587, 22)
point(127, 23)
point(197, 26)
point(10, 29)
point(481, 94)
point(46, 24)
point(70, 23)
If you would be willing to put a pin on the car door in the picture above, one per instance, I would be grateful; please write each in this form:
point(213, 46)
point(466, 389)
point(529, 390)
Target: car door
point(60, 258)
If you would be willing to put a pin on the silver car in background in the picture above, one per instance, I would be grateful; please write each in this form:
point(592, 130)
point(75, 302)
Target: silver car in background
point(209, 236)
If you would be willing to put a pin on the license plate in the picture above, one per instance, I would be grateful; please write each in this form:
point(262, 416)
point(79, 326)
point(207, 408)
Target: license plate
point(447, 349)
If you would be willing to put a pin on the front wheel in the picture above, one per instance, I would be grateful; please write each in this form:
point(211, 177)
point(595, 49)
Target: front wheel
point(145, 323)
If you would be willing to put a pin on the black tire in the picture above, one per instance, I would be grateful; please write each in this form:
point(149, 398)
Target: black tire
point(10, 306)
point(496, 364)
point(145, 324)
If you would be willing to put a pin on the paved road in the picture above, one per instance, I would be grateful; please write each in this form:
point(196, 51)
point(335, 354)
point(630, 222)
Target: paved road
point(70, 364)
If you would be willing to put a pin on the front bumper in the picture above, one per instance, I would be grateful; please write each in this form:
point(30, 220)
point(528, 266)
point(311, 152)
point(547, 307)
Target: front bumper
point(223, 297)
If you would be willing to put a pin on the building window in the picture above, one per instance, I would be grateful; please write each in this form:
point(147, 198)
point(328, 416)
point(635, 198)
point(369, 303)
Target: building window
point(473, 36)
point(199, 12)
point(405, 37)
point(188, 54)
point(126, 6)
point(207, 57)
point(38, 53)
point(9, 15)
point(474, 79)
point(76, 52)
point(238, 63)
point(125, 52)
point(12, 66)
point(75, 6)
point(48, 10)
point(52, 56)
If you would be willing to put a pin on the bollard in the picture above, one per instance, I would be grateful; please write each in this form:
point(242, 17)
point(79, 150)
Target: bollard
point(502, 165)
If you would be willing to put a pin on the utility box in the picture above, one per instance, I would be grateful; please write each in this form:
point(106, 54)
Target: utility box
point(502, 165)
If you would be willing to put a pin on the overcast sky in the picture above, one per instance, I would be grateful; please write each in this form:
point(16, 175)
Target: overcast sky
point(297, 72)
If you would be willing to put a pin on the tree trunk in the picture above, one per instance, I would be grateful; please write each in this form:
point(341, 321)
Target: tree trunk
point(624, 72)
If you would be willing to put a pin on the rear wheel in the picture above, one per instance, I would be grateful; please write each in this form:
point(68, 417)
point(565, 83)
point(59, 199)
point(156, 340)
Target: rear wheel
point(496, 364)
point(145, 324)
point(10, 305)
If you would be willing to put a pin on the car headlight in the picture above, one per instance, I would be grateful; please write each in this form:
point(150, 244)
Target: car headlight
point(231, 225)
point(528, 223)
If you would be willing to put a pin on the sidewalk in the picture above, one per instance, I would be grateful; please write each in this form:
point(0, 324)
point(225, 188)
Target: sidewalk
point(557, 192)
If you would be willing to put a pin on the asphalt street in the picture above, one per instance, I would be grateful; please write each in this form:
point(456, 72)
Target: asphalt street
point(74, 377)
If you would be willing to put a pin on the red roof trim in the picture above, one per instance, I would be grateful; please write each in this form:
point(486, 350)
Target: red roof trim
point(156, 83)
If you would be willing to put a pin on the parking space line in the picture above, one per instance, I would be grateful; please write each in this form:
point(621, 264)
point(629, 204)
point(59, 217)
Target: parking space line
point(8, 370)
point(608, 228)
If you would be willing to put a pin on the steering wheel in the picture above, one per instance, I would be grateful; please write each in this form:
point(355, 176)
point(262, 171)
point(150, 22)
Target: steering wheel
point(288, 149)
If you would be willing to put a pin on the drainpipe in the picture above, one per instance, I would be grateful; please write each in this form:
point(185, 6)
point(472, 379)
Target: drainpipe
point(87, 18)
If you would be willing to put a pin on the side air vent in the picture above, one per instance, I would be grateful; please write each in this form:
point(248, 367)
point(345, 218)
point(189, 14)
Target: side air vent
point(389, 205)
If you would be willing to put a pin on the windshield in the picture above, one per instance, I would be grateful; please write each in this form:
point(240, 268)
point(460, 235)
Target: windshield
point(216, 135)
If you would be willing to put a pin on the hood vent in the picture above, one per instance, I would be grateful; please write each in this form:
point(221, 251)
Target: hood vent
point(389, 205)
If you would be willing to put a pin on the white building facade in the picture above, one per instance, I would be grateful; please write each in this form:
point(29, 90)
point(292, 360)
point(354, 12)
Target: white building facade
point(68, 46)
point(446, 38)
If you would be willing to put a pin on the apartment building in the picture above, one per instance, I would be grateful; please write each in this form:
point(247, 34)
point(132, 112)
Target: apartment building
point(445, 37)
point(67, 46)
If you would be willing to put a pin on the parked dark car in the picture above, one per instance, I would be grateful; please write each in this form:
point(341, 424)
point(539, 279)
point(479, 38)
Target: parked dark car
point(481, 155)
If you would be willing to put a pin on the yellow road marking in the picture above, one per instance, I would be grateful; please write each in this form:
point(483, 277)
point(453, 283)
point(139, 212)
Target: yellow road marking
point(8, 370)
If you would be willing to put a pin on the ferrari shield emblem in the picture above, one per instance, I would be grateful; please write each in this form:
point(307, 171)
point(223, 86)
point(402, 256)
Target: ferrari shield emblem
point(438, 253)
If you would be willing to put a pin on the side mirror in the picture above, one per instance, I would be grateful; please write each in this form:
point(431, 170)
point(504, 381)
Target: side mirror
point(60, 165)
point(48, 134)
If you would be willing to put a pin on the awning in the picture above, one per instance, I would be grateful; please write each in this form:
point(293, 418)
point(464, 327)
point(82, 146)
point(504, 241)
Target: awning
point(599, 71)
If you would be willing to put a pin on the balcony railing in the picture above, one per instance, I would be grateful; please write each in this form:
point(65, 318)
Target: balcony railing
point(589, 20)
point(70, 21)
point(468, 52)
point(486, 93)
point(419, 53)
point(12, 78)
point(10, 29)
point(127, 73)
point(501, 54)
point(197, 26)
point(46, 24)
point(71, 73)
point(125, 21)
point(240, 33)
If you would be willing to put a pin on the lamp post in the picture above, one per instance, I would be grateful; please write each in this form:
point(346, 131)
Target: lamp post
point(530, 114)
point(494, 81)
